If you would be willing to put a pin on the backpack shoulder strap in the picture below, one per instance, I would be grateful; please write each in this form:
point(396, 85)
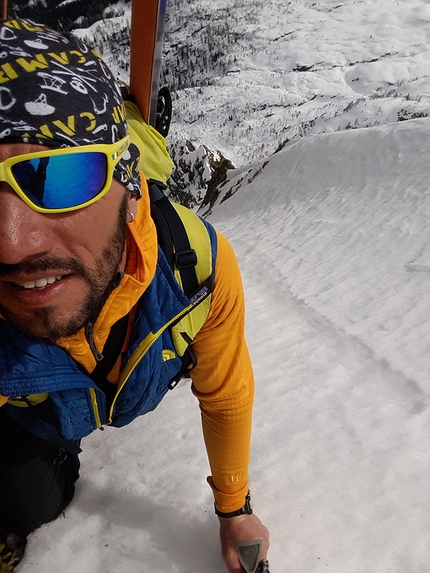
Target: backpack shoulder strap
point(186, 243)
point(173, 238)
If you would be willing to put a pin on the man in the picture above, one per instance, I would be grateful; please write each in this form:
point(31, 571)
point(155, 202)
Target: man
point(78, 253)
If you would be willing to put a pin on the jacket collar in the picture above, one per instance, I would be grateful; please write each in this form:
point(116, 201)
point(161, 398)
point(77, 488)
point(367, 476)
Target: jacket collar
point(142, 255)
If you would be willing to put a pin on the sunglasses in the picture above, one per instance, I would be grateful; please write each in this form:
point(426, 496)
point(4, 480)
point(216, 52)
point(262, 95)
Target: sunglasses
point(66, 179)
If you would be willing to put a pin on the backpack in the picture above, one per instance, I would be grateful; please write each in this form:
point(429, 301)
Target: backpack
point(182, 235)
point(184, 239)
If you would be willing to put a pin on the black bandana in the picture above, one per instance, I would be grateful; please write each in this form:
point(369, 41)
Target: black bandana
point(55, 90)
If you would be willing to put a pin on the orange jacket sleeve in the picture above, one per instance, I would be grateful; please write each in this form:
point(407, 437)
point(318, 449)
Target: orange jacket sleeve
point(224, 384)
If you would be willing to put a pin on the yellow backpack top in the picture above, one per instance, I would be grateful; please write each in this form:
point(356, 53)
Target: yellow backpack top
point(155, 162)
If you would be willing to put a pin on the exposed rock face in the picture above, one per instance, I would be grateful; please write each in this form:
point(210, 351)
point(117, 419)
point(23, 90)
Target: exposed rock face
point(198, 174)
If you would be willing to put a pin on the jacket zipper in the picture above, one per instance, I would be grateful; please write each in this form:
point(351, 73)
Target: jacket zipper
point(140, 352)
point(150, 339)
point(89, 335)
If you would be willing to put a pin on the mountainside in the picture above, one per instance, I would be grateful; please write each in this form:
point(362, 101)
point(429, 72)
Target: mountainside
point(247, 77)
point(275, 71)
point(66, 14)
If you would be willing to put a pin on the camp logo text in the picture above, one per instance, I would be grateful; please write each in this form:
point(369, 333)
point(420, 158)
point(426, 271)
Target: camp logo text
point(10, 72)
point(86, 119)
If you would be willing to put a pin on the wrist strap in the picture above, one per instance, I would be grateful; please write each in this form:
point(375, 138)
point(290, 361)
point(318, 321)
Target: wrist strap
point(246, 509)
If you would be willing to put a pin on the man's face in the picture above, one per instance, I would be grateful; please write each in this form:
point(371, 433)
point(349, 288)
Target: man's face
point(57, 270)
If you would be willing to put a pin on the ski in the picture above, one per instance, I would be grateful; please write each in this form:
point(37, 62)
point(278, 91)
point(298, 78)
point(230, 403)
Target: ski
point(4, 10)
point(146, 47)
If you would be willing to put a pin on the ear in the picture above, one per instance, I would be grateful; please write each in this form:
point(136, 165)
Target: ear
point(132, 204)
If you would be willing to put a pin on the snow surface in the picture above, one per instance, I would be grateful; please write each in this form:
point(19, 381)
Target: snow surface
point(332, 236)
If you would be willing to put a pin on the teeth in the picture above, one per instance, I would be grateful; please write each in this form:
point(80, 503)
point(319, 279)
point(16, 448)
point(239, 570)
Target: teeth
point(39, 283)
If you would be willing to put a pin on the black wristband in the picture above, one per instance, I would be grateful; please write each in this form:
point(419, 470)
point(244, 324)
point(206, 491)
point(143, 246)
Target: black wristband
point(246, 509)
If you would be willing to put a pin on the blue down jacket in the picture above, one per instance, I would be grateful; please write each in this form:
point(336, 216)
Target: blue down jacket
point(76, 406)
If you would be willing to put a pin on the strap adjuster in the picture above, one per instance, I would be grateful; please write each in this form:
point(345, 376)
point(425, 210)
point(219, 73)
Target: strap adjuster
point(186, 259)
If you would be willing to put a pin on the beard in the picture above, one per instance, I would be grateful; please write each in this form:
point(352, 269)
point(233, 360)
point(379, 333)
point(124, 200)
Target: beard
point(43, 324)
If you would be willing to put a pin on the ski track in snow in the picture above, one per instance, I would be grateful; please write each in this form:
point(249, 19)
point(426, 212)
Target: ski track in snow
point(337, 331)
point(340, 435)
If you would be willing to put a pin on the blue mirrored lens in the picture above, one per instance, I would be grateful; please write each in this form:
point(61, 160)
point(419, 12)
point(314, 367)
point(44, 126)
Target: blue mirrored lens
point(62, 181)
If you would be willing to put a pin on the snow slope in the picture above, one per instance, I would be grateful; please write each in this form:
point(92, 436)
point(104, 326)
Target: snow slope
point(332, 236)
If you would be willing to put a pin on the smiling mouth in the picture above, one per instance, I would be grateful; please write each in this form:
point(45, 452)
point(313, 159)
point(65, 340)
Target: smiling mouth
point(39, 284)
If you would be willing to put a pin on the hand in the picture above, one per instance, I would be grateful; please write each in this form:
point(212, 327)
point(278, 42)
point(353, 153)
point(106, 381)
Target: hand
point(240, 528)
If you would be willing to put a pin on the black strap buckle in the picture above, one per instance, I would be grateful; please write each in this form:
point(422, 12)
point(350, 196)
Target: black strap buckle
point(186, 259)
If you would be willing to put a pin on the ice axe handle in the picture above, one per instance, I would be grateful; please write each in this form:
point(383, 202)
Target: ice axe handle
point(263, 566)
point(249, 553)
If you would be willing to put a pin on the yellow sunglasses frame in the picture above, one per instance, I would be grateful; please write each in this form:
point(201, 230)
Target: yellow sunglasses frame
point(113, 152)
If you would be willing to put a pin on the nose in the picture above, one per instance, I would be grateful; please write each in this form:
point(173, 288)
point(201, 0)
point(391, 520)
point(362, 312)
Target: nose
point(24, 233)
